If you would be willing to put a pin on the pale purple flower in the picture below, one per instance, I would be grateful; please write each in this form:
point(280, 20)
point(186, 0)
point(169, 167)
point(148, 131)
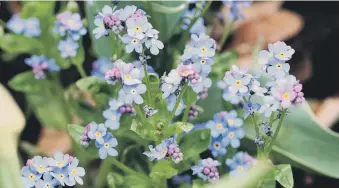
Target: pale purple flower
point(132, 44)
point(154, 45)
point(278, 69)
point(159, 152)
point(68, 48)
point(136, 28)
point(278, 50)
point(97, 132)
point(238, 81)
point(112, 119)
point(284, 91)
point(270, 104)
point(75, 173)
point(130, 94)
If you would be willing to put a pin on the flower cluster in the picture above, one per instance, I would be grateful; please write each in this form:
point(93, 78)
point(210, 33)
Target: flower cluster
point(70, 26)
point(40, 64)
point(236, 8)
point(103, 139)
point(41, 172)
point(168, 148)
point(130, 75)
point(29, 27)
point(194, 112)
point(240, 162)
point(194, 67)
point(226, 131)
point(131, 25)
point(189, 14)
point(206, 169)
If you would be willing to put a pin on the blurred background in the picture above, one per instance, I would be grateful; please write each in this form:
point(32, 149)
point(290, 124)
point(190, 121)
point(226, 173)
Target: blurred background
point(311, 28)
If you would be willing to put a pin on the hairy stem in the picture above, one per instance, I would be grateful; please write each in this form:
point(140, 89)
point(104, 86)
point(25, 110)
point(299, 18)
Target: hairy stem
point(276, 132)
point(177, 103)
point(149, 95)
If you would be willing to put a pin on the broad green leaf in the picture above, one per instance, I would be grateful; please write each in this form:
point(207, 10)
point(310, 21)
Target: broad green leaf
point(195, 142)
point(26, 82)
point(163, 169)
point(284, 175)
point(16, 44)
point(266, 183)
point(133, 181)
point(91, 84)
point(144, 130)
point(177, 128)
point(189, 97)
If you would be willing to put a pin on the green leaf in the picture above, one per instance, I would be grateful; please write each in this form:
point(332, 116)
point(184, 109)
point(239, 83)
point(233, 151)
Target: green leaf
point(195, 142)
point(26, 82)
point(91, 84)
point(163, 170)
point(132, 181)
point(177, 128)
point(284, 175)
point(75, 131)
point(17, 44)
point(189, 97)
point(266, 183)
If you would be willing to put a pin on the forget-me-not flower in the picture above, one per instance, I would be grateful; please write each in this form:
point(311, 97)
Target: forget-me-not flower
point(47, 182)
point(130, 94)
point(206, 169)
point(154, 45)
point(40, 64)
point(129, 74)
point(75, 172)
point(32, 27)
point(29, 177)
point(100, 30)
point(40, 164)
point(97, 132)
point(218, 146)
point(132, 44)
point(250, 108)
point(68, 48)
point(270, 104)
point(278, 69)
point(278, 50)
point(101, 66)
point(59, 161)
point(112, 119)
point(107, 147)
point(159, 152)
point(240, 162)
point(232, 137)
point(217, 127)
point(284, 90)
point(171, 100)
point(237, 80)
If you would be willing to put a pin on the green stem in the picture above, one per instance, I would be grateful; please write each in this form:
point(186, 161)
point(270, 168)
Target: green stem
point(140, 114)
point(272, 119)
point(3, 23)
point(187, 110)
point(195, 18)
point(149, 95)
point(81, 70)
point(105, 168)
point(276, 132)
point(177, 103)
point(225, 34)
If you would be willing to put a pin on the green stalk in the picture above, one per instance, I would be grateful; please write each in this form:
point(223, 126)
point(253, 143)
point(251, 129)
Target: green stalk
point(81, 71)
point(256, 128)
point(225, 35)
point(187, 110)
point(272, 119)
point(283, 114)
point(149, 95)
point(195, 18)
point(177, 103)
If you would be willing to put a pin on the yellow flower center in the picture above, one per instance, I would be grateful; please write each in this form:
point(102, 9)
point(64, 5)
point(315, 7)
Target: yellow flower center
point(163, 152)
point(128, 77)
point(203, 49)
point(203, 61)
point(240, 168)
point(216, 145)
point(102, 26)
point(190, 49)
point(282, 54)
point(137, 29)
point(286, 96)
point(219, 126)
point(134, 41)
point(279, 66)
point(48, 185)
point(230, 121)
point(97, 134)
point(106, 145)
point(61, 176)
point(238, 82)
point(231, 135)
point(41, 168)
point(114, 118)
point(73, 171)
point(70, 22)
point(179, 105)
point(186, 73)
point(60, 164)
point(133, 91)
point(31, 177)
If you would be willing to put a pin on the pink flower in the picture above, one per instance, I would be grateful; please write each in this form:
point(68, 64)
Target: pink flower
point(187, 70)
point(284, 91)
point(29, 162)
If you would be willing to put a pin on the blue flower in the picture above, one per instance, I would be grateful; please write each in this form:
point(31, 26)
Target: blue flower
point(130, 75)
point(236, 8)
point(278, 69)
point(171, 100)
point(232, 137)
point(16, 24)
point(250, 108)
point(32, 27)
point(75, 173)
point(237, 81)
point(132, 44)
point(97, 132)
point(114, 104)
point(170, 83)
point(270, 105)
point(68, 22)
point(130, 94)
point(138, 65)
point(61, 174)
point(100, 30)
point(204, 46)
point(136, 28)
point(198, 27)
point(112, 119)
point(154, 45)
point(40, 64)
point(204, 65)
point(101, 66)
point(159, 152)
point(240, 162)
point(206, 169)
point(40, 164)
point(201, 84)
point(231, 118)
point(29, 177)
point(277, 51)
point(60, 160)
point(218, 147)
point(48, 181)
point(217, 128)
point(68, 48)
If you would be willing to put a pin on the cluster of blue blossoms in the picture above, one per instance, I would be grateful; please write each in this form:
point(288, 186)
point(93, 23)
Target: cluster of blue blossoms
point(29, 27)
point(226, 131)
point(103, 139)
point(235, 8)
point(43, 172)
point(131, 25)
point(189, 14)
point(69, 26)
point(168, 148)
point(41, 64)
point(240, 162)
